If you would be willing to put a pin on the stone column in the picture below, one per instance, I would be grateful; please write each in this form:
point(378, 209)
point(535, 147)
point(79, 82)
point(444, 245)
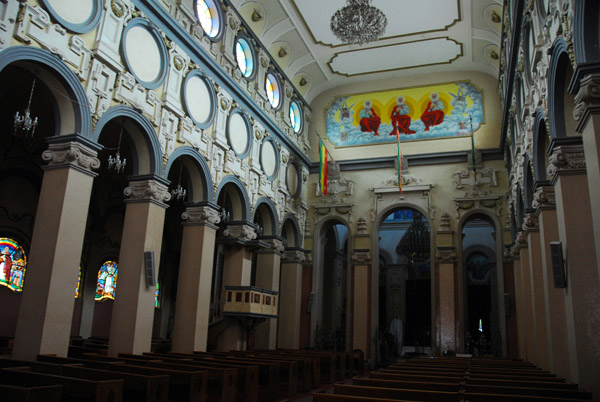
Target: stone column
point(46, 311)
point(538, 289)
point(268, 270)
point(237, 271)
point(361, 297)
point(190, 329)
point(519, 301)
point(290, 298)
point(528, 307)
point(545, 205)
point(446, 298)
point(133, 309)
point(567, 168)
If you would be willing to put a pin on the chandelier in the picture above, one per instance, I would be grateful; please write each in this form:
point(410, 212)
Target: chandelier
point(358, 22)
point(415, 243)
point(115, 163)
point(26, 121)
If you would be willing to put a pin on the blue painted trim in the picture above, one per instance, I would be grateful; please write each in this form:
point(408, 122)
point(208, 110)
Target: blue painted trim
point(151, 138)
point(203, 170)
point(162, 48)
point(81, 105)
point(298, 191)
point(539, 150)
point(277, 158)
point(559, 61)
point(86, 26)
point(213, 98)
point(586, 31)
point(242, 192)
point(200, 57)
point(296, 227)
point(221, 19)
point(246, 152)
point(272, 210)
point(246, 38)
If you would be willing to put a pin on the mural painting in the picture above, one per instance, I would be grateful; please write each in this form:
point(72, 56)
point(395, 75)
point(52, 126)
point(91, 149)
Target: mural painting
point(437, 111)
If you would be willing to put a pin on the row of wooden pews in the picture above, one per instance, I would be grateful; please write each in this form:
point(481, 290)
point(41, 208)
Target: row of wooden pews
point(457, 379)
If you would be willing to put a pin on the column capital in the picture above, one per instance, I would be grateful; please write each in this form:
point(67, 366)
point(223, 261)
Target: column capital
point(72, 151)
point(544, 198)
point(240, 230)
point(566, 160)
point(293, 255)
point(361, 257)
point(587, 100)
point(201, 215)
point(275, 245)
point(445, 254)
point(531, 223)
point(147, 189)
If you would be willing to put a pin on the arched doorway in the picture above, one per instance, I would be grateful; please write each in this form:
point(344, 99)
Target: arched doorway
point(404, 285)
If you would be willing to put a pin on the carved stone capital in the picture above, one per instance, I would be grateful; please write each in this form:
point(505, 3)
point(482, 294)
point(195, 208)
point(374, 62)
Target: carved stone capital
point(587, 100)
point(445, 255)
point(293, 257)
point(203, 215)
point(531, 223)
point(361, 257)
point(71, 153)
point(240, 231)
point(445, 222)
point(566, 159)
point(544, 198)
point(362, 226)
point(147, 190)
point(275, 247)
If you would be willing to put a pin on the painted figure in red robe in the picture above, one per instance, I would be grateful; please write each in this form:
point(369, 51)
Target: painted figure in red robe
point(369, 121)
point(434, 114)
point(400, 118)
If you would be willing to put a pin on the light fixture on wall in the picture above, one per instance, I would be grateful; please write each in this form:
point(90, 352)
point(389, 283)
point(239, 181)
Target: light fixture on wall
point(26, 121)
point(358, 22)
point(116, 163)
point(179, 193)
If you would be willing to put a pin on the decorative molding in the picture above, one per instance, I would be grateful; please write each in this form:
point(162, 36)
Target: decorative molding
point(361, 225)
point(566, 159)
point(544, 198)
point(531, 223)
point(478, 198)
point(587, 100)
point(240, 231)
point(293, 256)
point(275, 247)
point(445, 222)
point(445, 254)
point(361, 257)
point(147, 190)
point(484, 176)
point(203, 215)
point(73, 154)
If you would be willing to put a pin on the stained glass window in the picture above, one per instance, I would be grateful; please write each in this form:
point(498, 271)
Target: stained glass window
point(13, 263)
point(208, 15)
point(157, 295)
point(78, 287)
point(296, 116)
point(244, 57)
point(107, 281)
point(273, 90)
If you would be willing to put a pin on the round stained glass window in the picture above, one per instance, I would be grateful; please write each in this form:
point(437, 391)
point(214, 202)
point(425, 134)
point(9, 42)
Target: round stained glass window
point(209, 17)
point(296, 116)
point(244, 57)
point(273, 89)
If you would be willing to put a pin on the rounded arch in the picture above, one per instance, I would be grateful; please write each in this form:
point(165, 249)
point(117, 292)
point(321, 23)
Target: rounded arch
point(267, 212)
point(240, 200)
point(74, 109)
point(560, 101)
point(290, 230)
point(143, 136)
point(586, 31)
point(540, 146)
point(200, 187)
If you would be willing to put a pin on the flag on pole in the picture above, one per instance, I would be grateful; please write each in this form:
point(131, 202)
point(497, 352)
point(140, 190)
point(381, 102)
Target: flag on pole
point(473, 150)
point(399, 160)
point(323, 168)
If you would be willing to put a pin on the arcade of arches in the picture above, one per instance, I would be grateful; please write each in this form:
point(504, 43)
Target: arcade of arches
point(157, 181)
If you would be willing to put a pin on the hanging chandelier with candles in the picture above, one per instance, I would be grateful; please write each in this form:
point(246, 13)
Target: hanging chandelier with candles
point(25, 121)
point(358, 22)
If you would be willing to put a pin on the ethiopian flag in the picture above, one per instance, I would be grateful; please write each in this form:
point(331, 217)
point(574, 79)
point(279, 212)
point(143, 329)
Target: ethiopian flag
point(323, 168)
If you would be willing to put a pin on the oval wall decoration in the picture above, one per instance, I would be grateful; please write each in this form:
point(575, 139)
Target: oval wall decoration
point(238, 133)
point(199, 99)
point(80, 19)
point(144, 53)
point(269, 158)
point(292, 179)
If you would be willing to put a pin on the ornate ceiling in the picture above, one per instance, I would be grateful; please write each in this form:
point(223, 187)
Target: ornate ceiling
point(422, 37)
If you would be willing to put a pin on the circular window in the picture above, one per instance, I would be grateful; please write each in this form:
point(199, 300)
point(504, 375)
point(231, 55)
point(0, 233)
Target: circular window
point(293, 179)
point(209, 16)
point(273, 89)
point(199, 99)
point(80, 19)
point(244, 56)
point(296, 116)
point(238, 134)
point(269, 158)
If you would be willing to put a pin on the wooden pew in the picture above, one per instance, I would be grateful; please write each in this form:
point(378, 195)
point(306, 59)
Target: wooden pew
point(414, 377)
point(426, 386)
point(523, 391)
point(48, 393)
point(324, 397)
point(474, 397)
point(423, 373)
point(522, 383)
point(74, 389)
point(305, 365)
point(184, 386)
point(396, 393)
point(327, 363)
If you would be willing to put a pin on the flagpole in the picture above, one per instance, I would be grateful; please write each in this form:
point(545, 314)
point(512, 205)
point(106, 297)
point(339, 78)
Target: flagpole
point(473, 149)
point(323, 142)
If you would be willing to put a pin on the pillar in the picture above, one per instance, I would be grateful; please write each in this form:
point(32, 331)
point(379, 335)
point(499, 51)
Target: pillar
point(290, 298)
point(192, 308)
point(519, 302)
point(528, 308)
point(567, 168)
point(538, 291)
point(133, 309)
point(361, 296)
point(544, 202)
point(46, 311)
point(268, 269)
point(446, 288)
